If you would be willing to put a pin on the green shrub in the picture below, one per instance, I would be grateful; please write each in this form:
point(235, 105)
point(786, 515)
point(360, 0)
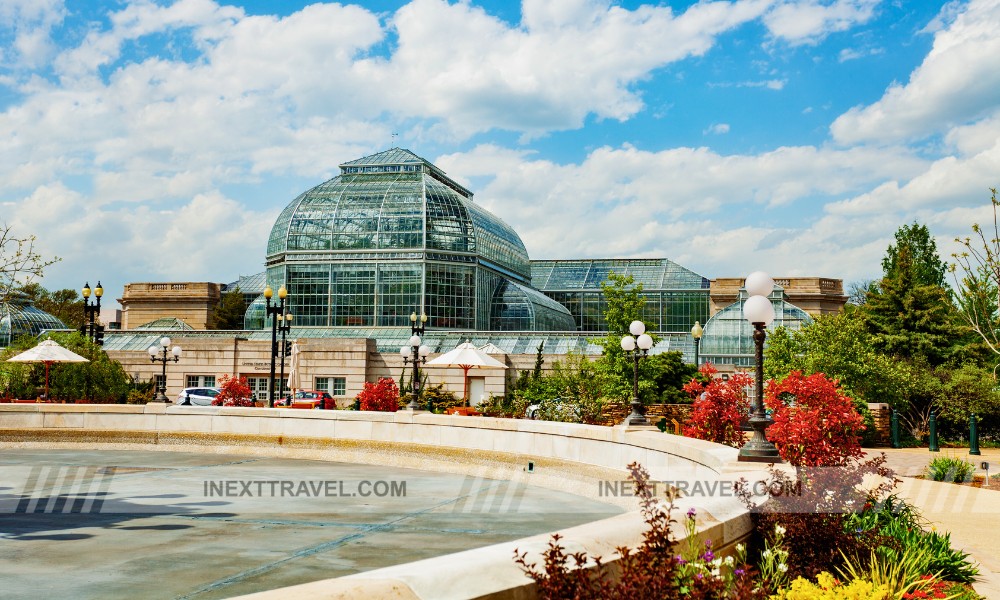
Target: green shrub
point(504, 406)
point(949, 468)
point(440, 398)
point(139, 397)
point(932, 548)
point(899, 526)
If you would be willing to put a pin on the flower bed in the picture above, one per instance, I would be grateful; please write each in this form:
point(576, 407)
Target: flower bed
point(842, 535)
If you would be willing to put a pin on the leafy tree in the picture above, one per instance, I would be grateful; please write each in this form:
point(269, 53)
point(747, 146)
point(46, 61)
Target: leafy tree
point(840, 346)
point(857, 292)
point(234, 391)
point(968, 389)
point(976, 274)
point(623, 304)
point(19, 262)
point(815, 424)
point(100, 380)
point(668, 374)
point(915, 252)
point(976, 301)
point(230, 311)
point(570, 391)
point(783, 353)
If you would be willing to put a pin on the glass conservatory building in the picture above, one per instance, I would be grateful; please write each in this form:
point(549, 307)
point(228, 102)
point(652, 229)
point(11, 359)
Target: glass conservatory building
point(18, 316)
point(675, 297)
point(728, 336)
point(392, 235)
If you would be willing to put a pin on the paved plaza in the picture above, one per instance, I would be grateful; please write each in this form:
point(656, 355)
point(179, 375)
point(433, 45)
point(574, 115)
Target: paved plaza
point(971, 515)
point(125, 524)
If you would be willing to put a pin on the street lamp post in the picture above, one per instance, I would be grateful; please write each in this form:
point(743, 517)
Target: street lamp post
point(696, 333)
point(636, 347)
point(91, 310)
point(273, 310)
point(168, 355)
point(284, 326)
point(417, 354)
point(758, 311)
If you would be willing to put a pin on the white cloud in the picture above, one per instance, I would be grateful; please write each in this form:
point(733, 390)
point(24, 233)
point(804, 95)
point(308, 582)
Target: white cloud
point(31, 22)
point(810, 21)
point(858, 53)
point(771, 84)
point(208, 234)
point(957, 82)
point(297, 94)
point(708, 211)
point(153, 138)
point(717, 129)
point(568, 59)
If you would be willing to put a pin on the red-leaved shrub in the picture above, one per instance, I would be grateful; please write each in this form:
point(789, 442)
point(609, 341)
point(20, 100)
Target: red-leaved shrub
point(719, 407)
point(235, 392)
point(382, 396)
point(815, 424)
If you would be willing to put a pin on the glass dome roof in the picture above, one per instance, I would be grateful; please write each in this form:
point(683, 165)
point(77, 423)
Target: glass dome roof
point(18, 317)
point(395, 201)
point(728, 337)
point(522, 308)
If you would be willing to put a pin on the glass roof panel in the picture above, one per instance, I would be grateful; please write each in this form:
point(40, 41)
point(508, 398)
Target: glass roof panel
point(19, 317)
point(653, 274)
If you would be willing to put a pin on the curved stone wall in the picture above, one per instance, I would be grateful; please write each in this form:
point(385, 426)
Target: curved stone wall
point(569, 457)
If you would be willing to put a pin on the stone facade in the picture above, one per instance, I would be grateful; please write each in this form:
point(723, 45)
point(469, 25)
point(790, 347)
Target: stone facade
point(353, 360)
point(815, 295)
point(191, 302)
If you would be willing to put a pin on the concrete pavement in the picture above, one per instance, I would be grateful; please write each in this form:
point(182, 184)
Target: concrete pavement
point(971, 515)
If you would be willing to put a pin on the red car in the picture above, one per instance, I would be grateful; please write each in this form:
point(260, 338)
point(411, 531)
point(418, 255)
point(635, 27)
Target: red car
point(319, 399)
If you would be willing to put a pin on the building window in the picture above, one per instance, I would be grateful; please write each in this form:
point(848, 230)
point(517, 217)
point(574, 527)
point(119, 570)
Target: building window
point(157, 381)
point(200, 381)
point(337, 386)
point(259, 387)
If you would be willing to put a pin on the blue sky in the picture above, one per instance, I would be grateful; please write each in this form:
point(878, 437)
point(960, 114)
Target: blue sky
point(153, 141)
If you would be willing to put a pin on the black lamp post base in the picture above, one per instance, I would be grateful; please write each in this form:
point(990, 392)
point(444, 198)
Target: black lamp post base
point(636, 418)
point(759, 448)
point(161, 397)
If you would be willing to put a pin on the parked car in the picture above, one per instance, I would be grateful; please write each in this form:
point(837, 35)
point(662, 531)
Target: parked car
point(321, 399)
point(197, 396)
point(556, 408)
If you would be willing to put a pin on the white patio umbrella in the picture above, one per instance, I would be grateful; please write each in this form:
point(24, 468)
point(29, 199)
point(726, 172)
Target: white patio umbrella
point(48, 352)
point(468, 357)
point(294, 379)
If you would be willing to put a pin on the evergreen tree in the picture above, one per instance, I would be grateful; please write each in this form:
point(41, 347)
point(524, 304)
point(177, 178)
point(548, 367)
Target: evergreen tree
point(923, 262)
point(230, 311)
point(539, 361)
point(911, 319)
